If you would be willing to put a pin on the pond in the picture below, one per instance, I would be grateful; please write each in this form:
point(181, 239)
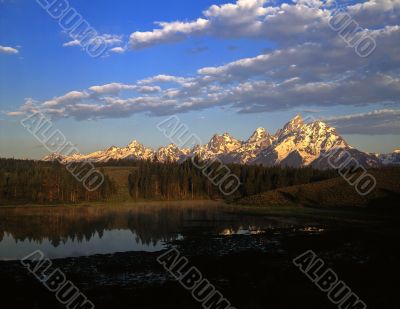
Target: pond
point(72, 231)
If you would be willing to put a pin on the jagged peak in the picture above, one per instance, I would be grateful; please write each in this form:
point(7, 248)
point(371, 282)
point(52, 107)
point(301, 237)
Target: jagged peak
point(169, 146)
point(134, 143)
point(259, 134)
point(318, 125)
point(259, 131)
point(214, 139)
point(297, 119)
point(112, 148)
point(53, 157)
point(308, 139)
point(225, 136)
point(294, 123)
point(224, 142)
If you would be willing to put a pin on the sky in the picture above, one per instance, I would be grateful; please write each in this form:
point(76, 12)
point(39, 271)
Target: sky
point(220, 66)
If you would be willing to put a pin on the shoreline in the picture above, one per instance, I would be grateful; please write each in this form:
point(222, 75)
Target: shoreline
point(110, 203)
point(252, 271)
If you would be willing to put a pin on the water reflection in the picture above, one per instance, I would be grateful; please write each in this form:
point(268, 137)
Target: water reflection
point(77, 231)
point(110, 241)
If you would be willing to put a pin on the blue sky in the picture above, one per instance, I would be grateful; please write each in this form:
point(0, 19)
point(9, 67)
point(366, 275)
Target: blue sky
point(34, 63)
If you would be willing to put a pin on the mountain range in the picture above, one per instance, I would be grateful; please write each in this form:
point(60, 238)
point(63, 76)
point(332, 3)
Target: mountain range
point(296, 144)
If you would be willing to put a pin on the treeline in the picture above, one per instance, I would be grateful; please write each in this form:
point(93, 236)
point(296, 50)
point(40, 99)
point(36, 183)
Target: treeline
point(173, 181)
point(26, 181)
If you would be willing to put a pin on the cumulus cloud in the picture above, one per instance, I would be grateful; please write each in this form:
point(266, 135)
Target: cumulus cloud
point(111, 88)
point(245, 18)
point(8, 50)
point(287, 23)
point(383, 121)
point(311, 67)
point(169, 32)
point(115, 88)
point(71, 97)
point(302, 76)
point(376, 12)
point(162, 78)
point(148, 89)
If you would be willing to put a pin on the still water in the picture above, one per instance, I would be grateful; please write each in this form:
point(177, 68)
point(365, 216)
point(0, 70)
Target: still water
point(86, 230)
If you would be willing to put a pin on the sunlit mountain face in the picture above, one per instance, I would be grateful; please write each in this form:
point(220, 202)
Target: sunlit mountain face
point(296, 144)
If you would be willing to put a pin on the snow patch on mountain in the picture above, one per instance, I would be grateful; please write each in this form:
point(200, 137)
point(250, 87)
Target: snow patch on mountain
point(390, 158)
point(296, 144)
point(306, 141)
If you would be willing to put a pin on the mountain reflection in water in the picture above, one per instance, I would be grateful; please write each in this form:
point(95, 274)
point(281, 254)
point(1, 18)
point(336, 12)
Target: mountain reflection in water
point(80, 231)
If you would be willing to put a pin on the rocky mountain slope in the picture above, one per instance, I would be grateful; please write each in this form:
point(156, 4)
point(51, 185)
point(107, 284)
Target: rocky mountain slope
point(390, 158)
point(296, 144)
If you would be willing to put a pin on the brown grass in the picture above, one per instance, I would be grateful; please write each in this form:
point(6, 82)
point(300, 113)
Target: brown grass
point(334, 193)
point(119, 174)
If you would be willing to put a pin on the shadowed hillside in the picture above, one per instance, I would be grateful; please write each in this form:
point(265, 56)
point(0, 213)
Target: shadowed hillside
point(334, 193)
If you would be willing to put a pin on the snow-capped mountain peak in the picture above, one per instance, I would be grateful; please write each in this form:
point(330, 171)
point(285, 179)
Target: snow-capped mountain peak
point(258, 135)
point(223, 143)
point(299, 144)
point(294, 124)
point(171, 153)
point(290, 127)
point(296, 144)
point(112, 148)
point(134, 143)
point(390, 158)
point(54, 157)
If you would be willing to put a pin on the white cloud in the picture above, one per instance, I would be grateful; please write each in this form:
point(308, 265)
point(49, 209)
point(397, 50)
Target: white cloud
point(72, 43)
point(148, 89)
point(111, 40)
point(383, 121)
point(169, 32)
point(69, 98)
point(111, 88)
point(311, 66)
point(8, 50)
point(376, 12)
point(307, 75)
point(288, 23)
point(161, 78)
point(118, 50)
point(245, 18)
point(115, 88)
